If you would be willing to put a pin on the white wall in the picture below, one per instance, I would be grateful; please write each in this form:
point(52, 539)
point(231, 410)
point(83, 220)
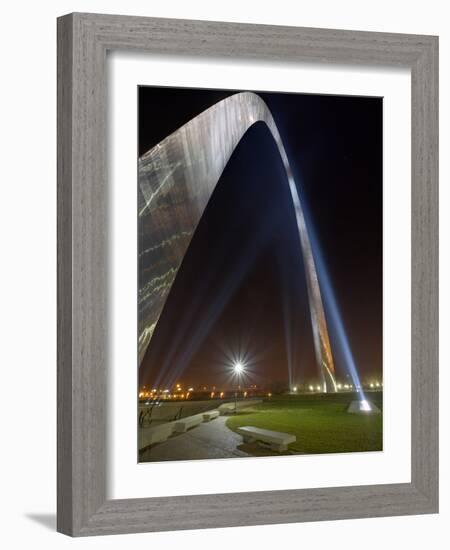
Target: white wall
point(27, 289)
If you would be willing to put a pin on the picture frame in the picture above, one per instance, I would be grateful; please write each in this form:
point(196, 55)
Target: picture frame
point(83, 40)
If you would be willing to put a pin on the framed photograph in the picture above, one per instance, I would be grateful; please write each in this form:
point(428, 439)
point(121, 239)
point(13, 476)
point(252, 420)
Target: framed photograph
point(230, 278)
point(247, 274)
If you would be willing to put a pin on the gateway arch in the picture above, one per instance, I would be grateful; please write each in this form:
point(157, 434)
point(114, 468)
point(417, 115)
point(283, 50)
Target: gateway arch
point(176, 180)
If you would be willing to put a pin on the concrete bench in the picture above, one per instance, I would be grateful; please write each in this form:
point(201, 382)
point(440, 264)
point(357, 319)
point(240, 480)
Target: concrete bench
point(184, 424)
point(229, 408)
point(210, 415)
point(226, 408)
point(155, 434)
point(278, 441)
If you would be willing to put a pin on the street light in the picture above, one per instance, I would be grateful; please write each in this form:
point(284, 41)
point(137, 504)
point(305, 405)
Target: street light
point(238, 370)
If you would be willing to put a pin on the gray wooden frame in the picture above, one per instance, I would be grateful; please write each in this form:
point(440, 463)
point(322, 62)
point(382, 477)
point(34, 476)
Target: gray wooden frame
point(83, 40)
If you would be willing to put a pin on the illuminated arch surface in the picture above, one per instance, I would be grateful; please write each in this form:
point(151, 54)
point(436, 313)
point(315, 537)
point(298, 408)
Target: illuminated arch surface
point(176, 180)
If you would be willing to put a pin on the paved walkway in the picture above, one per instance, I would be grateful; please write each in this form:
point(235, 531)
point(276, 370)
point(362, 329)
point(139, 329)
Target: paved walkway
point(207, 440)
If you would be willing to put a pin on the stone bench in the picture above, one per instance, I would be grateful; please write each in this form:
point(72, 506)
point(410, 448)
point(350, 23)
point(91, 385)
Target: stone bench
point(278, 441)
point(229, 408)
point(226, 408)
point(155, 434)
point(210, 415)
point(184, 424)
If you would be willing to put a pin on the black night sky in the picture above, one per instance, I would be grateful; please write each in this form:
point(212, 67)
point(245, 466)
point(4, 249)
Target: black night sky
point(241, 288)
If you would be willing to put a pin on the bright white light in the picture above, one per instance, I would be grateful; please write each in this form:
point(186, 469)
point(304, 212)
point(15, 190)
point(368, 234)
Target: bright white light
point(238, 368)
point(318, 388)
point(377, 385)
point(311, 388)
point(364, 405)
point(295, 388)
point(371, 385)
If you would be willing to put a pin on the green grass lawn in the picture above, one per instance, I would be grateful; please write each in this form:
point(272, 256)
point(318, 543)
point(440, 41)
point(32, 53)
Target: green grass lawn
point(320, 422)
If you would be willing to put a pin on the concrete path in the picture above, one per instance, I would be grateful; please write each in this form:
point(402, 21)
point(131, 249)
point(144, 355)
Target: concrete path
point(208, 440)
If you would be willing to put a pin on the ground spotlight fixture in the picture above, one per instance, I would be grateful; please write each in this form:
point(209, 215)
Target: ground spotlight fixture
point(362, 406)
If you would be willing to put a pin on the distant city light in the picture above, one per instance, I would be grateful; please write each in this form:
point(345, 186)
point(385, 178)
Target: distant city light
point(311, 388)
point(377, 384)
point(372, 385)
point(190, 389)
point(339, 386)
point(318, 388)
point(295, 388)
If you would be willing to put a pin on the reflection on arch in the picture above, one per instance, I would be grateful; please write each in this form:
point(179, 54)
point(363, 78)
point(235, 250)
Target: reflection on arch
point(176, 179)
